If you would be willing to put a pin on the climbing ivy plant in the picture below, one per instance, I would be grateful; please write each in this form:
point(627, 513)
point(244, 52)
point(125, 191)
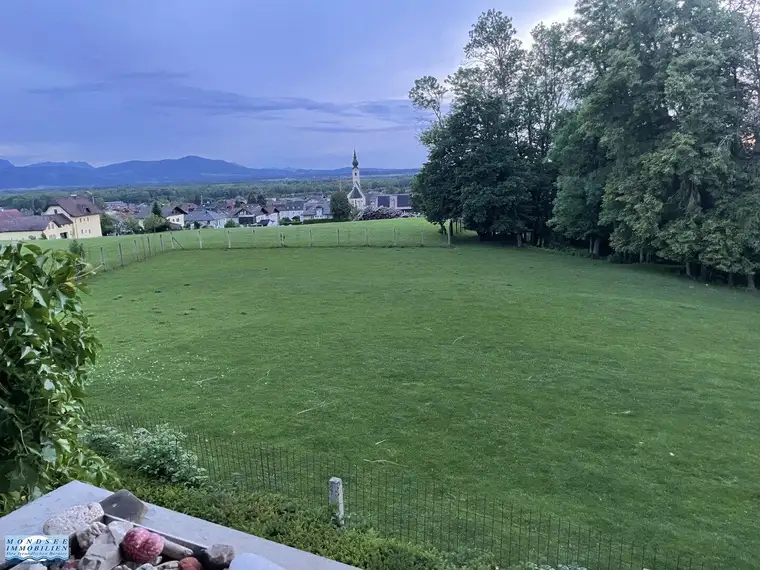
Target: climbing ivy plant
point(46, 347)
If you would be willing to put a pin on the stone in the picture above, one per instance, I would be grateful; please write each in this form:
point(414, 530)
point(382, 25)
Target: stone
point(101, 557)
point(190, 563)
point(171, 565)
point(247, 561)
point(119, 529)
point(87, 535)
point(73, 519)
point(175, 551)
point(124, 505)
point(217, 557)
point(141, 545)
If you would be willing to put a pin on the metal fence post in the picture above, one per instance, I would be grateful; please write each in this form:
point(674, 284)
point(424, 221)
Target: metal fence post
point(161, 241)
point(229, 243)
point(200, 239)
point(310, 237)
point(103, 258)
point(121, 255)
point(336, 497)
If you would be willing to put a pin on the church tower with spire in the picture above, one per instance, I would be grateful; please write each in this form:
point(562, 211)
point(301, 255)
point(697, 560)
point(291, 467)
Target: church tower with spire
point(356, 197)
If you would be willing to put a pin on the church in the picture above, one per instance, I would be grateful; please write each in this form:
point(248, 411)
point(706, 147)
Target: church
point(356, 197)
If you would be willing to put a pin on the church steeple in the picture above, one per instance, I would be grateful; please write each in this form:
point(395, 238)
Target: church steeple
point(356, 196)
point(355, 163)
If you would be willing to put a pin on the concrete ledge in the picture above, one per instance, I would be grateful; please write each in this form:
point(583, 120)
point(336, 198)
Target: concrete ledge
point(29, 519)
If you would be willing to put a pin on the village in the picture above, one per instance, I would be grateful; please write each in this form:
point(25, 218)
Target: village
point(81, 217)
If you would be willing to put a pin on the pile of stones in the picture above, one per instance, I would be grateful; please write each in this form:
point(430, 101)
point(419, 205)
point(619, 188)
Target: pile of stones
point(124, 545)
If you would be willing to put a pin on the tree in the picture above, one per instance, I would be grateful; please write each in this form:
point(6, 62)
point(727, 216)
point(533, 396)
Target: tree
point(231, 224)
point(155, 223)
point(107, 225)
point(132, 226)
point(340, 206)
point(156, 210)
point(48, 345)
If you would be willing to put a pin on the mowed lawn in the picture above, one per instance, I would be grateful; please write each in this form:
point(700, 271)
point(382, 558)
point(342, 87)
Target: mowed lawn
point(622, 397)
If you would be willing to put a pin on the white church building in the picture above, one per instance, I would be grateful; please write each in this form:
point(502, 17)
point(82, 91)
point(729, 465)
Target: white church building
point(356, 197)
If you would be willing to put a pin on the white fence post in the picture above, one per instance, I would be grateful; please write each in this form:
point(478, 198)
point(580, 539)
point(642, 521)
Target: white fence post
point(200, 239)
point(336, 497)
point(229, 243)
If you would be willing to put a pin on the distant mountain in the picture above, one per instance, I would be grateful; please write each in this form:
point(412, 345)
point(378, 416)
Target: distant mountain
point(189, 169)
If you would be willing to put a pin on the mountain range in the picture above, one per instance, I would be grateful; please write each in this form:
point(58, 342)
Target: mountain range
point(189, 169)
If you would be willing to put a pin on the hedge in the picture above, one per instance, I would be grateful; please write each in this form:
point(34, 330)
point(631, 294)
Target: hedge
point(313, 530)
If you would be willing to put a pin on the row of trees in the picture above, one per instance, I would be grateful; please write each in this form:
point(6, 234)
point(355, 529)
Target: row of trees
point(254, 193)
point(634, 126)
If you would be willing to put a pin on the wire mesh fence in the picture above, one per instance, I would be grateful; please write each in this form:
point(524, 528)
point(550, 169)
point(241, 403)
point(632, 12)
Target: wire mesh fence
point(383, 497)
point(120, 251)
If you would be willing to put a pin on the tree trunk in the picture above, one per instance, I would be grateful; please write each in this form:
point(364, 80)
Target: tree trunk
point(597, 245)
point(451, 228)
point(730, 279)
point(590, 244)
point(642, 256)
point(519, 240)
point(751, 281)
point(688, 269)
point(704, 273)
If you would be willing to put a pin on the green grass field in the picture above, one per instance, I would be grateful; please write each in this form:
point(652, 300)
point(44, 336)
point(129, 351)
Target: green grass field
point(622, 397)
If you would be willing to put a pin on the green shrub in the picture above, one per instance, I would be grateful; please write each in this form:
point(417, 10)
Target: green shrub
point(325, 221)
point(47, 345)
point(231, 224)
point(76, 247)
point(278, 519)
point(160, 454)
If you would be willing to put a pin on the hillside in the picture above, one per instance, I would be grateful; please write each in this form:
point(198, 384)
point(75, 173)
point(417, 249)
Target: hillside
point(169, 171)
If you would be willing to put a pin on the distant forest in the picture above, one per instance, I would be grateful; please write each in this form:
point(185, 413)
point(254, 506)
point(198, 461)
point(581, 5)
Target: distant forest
point(36, 201)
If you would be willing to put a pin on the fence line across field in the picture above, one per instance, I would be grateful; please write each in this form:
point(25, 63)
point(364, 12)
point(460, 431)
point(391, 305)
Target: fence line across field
point(113, 255)
point(383, 496)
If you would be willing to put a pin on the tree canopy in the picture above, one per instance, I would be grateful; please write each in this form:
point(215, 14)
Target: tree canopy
point(633, 127)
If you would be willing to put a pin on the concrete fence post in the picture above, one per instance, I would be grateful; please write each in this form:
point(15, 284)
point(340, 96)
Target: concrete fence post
point(103, 258)
point(200, 240)
point(121, 255)
point(336, 498)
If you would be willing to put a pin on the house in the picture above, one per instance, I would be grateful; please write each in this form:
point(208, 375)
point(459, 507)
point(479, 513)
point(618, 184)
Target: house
point(83, 214)
point(19, 228)
point(396, 201)
point(318, 211)
point(202, 218)
point(290, 209)
point(174, 215)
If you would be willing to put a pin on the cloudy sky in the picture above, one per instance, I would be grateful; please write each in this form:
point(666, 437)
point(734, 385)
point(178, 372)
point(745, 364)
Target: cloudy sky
point(259, 82)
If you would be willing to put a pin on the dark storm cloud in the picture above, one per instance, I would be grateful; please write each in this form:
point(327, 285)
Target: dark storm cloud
point(286, 83)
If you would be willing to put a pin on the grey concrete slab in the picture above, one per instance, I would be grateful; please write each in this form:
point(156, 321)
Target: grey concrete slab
point(29, 519)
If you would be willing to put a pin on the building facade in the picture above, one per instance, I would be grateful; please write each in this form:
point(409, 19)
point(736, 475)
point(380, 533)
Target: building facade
point(83, 214)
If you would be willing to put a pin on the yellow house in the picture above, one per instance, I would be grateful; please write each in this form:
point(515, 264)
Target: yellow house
point(83, 214)
point(34, 227)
